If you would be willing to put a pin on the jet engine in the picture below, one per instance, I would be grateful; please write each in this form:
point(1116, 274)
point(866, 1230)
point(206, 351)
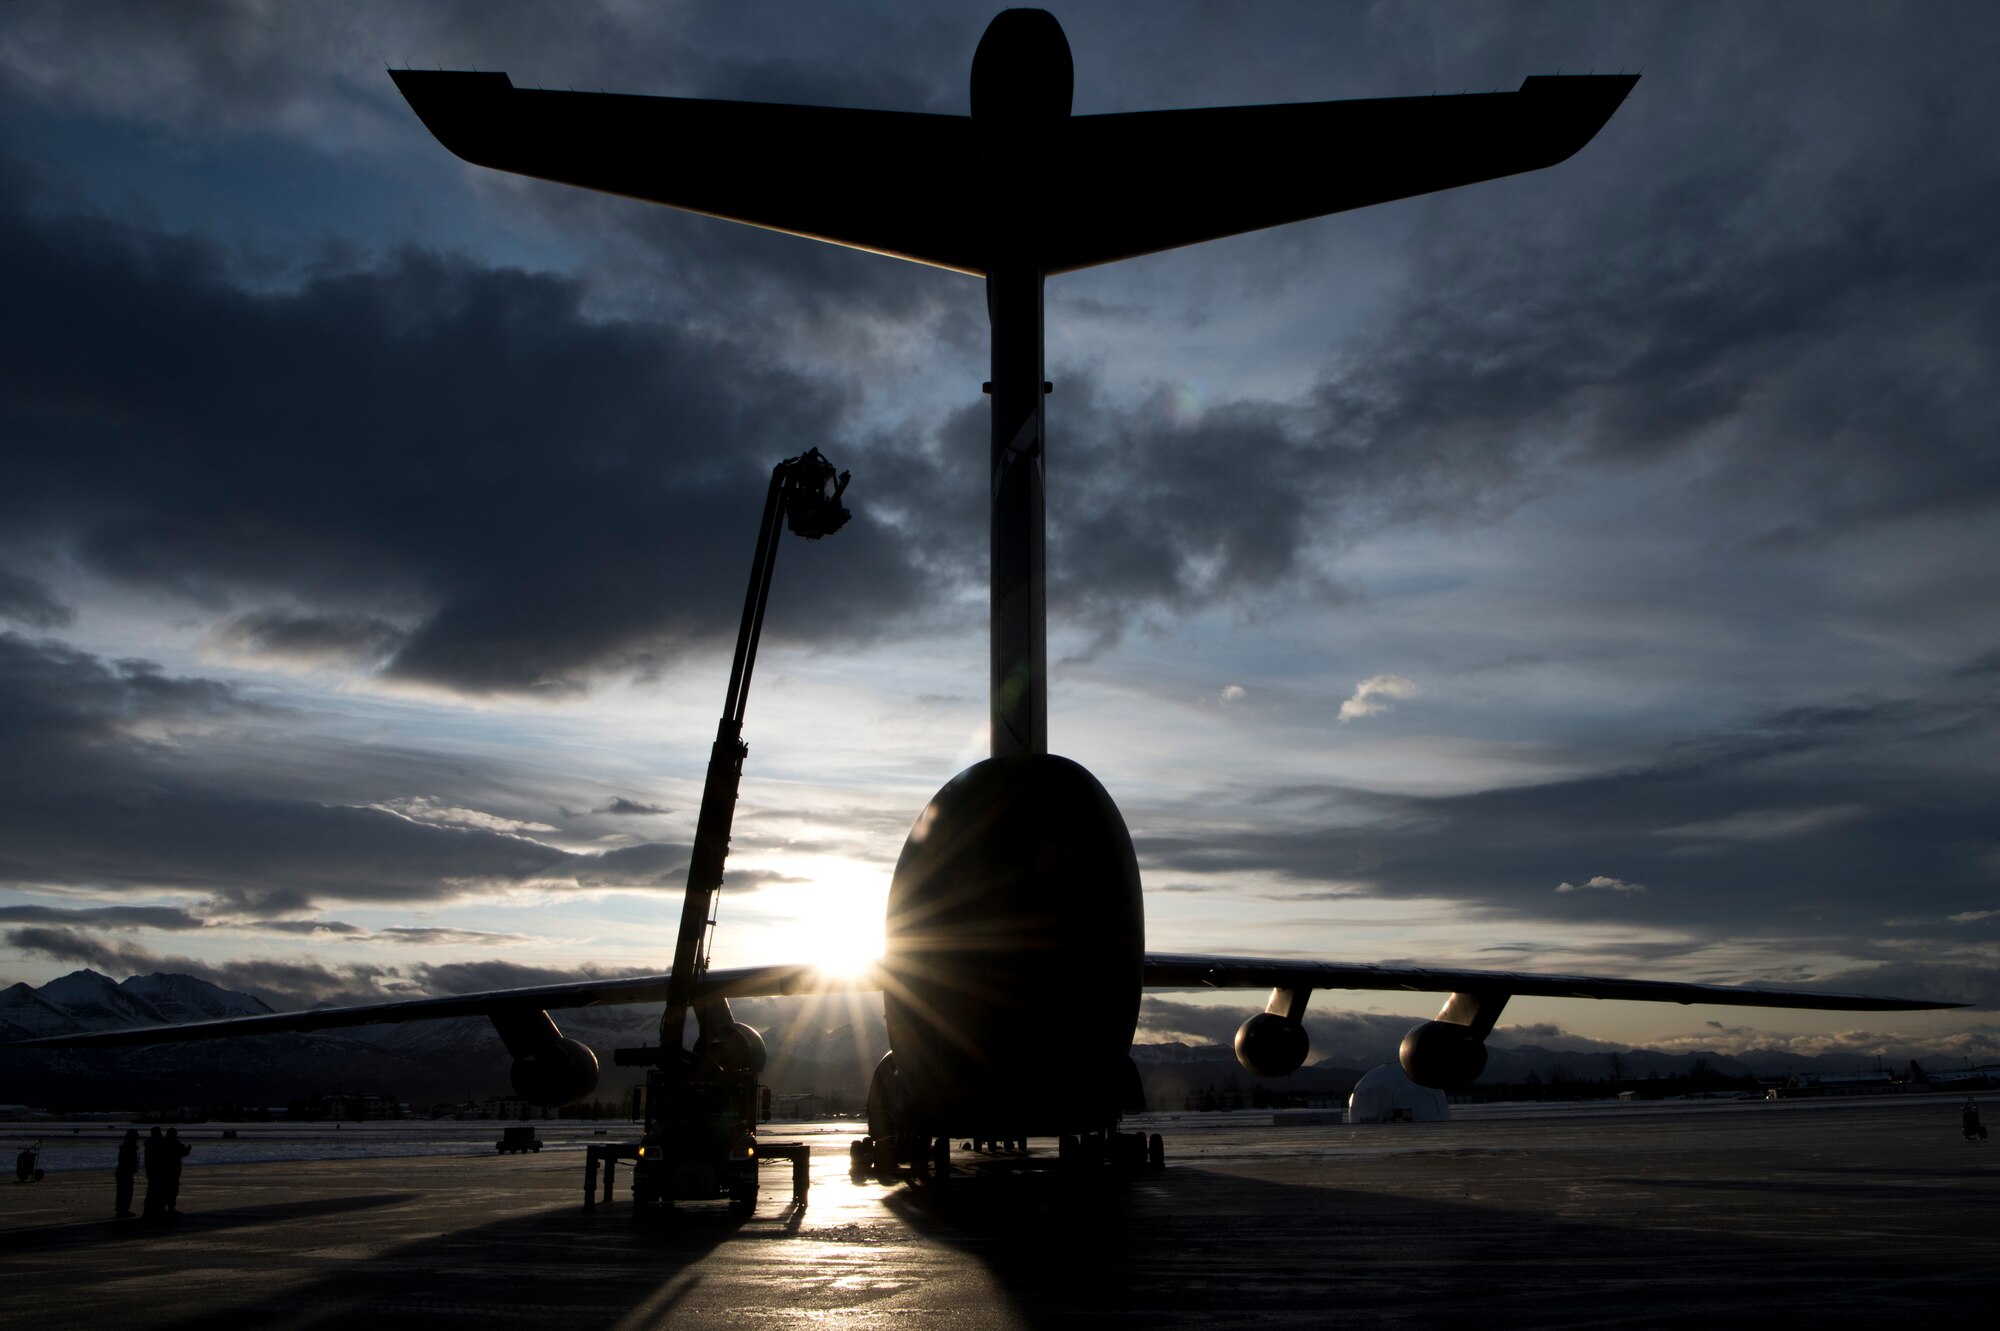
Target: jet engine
point(736, 1048)
point(559, 1073)
point(549, 1068)
point(1442, 1055)
point(1270, 1046)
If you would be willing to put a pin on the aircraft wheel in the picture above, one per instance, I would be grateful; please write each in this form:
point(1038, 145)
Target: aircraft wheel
point(743, 1197)
point(941, 1158)
point(1068, 1151)
point(884, 1149)
point(1156, 1152)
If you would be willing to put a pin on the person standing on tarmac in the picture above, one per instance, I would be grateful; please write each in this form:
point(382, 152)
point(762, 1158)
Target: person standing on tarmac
point(128, 1169)
point(156, 1188)
point(170, 1169)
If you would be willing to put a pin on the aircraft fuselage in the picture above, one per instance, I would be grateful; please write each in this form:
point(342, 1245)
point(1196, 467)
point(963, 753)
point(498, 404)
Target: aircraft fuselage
point(1014, 958)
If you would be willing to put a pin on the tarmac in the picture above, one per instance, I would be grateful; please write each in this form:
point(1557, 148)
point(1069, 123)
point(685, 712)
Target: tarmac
point(1858, 1213)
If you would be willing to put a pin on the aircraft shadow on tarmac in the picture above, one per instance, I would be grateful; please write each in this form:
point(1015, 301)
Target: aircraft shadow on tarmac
point(559, 1267)
point(1179, 1249)
point(57, 1237)
point(1878, 1192)
point(1202, 1244)
point(1900, 1172)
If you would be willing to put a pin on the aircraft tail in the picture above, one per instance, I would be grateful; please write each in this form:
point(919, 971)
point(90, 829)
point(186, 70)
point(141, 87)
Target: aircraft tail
point(965, 194)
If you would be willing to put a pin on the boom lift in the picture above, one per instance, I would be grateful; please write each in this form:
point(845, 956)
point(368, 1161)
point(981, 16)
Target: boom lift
point(700, 1139)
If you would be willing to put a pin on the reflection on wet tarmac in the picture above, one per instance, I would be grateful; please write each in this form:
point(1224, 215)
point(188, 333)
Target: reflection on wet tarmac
point(1645, 1217)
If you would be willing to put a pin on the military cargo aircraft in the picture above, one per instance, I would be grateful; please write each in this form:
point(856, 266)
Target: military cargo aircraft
point(1015, 952)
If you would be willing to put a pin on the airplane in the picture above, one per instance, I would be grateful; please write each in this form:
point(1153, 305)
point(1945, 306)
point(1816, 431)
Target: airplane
point(1014, 957)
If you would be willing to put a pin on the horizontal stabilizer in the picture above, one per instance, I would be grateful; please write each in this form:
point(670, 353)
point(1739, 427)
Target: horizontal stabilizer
point(873, 180)
point(1155, 180)
point(961, 194)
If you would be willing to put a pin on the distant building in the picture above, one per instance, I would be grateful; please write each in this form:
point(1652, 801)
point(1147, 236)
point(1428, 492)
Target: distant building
point(1387, 1096)
point(348, 1107)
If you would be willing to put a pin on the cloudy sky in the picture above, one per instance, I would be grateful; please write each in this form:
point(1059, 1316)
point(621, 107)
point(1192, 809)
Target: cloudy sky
point(1592, 570)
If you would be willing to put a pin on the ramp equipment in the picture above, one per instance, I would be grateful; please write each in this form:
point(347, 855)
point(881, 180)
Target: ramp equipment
point(700, 1140)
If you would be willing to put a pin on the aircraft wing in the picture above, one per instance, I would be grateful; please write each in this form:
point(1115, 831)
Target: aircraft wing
point(942, 190)
point(1163, 970)
point(1167, 970)
point(746, 982)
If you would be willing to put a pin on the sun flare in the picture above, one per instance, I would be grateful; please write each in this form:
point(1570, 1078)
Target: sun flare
point(830, 916)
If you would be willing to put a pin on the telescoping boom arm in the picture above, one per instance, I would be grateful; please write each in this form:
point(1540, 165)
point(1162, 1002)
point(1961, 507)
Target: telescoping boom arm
point(805, 492)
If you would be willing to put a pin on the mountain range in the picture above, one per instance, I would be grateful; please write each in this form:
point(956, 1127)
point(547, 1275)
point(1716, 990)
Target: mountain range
point(462, 1059)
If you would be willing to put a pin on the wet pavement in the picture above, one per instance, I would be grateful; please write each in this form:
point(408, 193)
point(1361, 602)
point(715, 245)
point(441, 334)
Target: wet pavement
point(1853, 1214)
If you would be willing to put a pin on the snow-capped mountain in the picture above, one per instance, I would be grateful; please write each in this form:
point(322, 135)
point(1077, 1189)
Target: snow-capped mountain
point(98, 1003)
point(180, 998)
point(24, 1013)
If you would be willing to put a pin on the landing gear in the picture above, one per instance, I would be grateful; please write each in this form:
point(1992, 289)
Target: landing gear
point(929, 1158)
point(1128, 1151)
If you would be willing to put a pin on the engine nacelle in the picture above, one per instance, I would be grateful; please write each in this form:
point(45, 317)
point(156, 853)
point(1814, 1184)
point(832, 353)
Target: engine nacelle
point(1270, 1046)
point(737, 1048)
point(885, 1117)
point(559, 1073)
point(1442, 1056)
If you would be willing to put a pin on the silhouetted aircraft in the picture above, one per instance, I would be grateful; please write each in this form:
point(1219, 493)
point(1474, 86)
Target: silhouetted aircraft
point(1015, 943)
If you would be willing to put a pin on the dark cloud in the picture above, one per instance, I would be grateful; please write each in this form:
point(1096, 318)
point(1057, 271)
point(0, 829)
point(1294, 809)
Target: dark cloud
point(1976, 984)
point(462, 469)
point(621, 805)
point(415, 935)
point(100, 793)
point(105, 917)
point(1813, 823)
point(1986, 663)
point(471, 977)
point(1765, 276)
point(1163, 515)
point(336, 639)
point(30, 604)
point(282, 984)
point(448, 463)
point(338, 928)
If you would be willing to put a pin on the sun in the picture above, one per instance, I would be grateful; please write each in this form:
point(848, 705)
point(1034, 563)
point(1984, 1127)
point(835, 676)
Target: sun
point(846, 945)
point(828, 913)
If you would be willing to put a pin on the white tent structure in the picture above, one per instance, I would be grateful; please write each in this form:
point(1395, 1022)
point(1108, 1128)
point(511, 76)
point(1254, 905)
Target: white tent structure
point(1385, 1095)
